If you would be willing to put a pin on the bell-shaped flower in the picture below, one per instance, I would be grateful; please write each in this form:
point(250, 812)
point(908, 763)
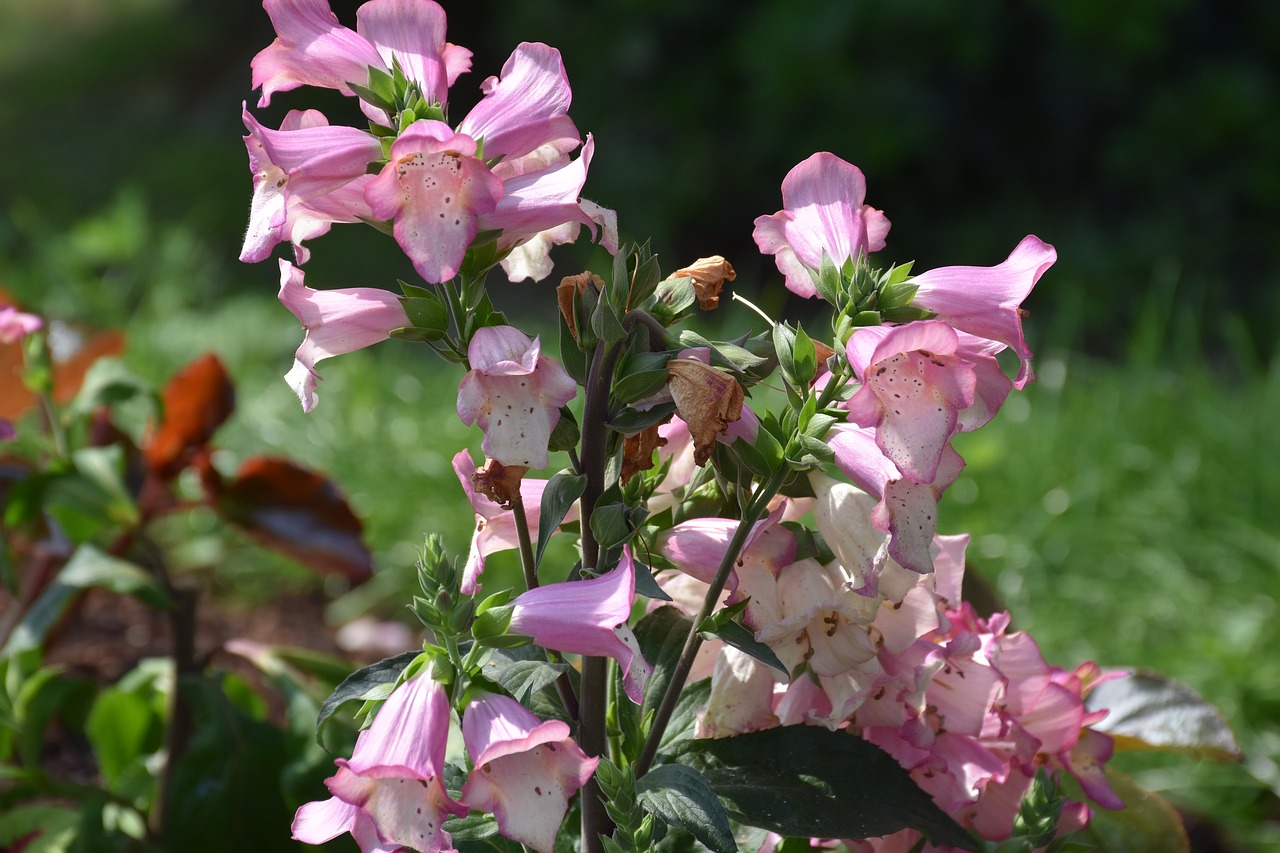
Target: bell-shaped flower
point(913, 387)
point(587, 617)
point(496, 527)
point(16, 325)
point(986, 301)
point(313, 49)
point(306, 175)
point(741, 698)
point(824, 211)
point(525, 770)
point(435, 188)
point(514, 393)
point(391, 794)
point(336, 322)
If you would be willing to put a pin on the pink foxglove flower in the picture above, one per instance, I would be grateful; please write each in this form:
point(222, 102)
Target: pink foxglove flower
point(306, 175)
point(495, 526)
point(823, 212)
point(15, 325)
point(514, 393)
point(391, 793)
point(985, 301)
point(587, 617)
point(525, 770)
point(313, 49)
point(336, 322)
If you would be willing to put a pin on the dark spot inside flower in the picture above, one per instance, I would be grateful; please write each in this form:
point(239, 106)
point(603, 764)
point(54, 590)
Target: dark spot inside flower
point(537, 790)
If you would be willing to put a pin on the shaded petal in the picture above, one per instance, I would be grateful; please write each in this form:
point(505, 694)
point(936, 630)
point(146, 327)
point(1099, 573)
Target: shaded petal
point(413, 32)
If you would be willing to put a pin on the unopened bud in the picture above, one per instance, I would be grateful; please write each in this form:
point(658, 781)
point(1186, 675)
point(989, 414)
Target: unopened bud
point(570, 287)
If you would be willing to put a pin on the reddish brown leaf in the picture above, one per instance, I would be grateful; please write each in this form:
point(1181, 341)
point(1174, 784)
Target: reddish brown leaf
point(197, 400)
point(297, 512)
point(637, 450)
point(77, 351)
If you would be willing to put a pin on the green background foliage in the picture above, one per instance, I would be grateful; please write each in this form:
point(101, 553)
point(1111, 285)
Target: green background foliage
point(1123, 508)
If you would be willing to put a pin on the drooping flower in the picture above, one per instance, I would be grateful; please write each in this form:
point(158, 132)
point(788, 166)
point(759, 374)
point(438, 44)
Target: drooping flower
point(587, 617)
point(391, 794)
point(514, 393)
point(823, 212)
point(525, 770)
point(313, 49)
point(336, 322)
point(306, 176)
point(495, 526)
point(16, 325)
point(986, 301)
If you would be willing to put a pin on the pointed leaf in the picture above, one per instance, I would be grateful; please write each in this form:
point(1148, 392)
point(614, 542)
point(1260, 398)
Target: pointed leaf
point(521, 675)
point(807, 781)
point(630, 420)
point(1147, 711)
point(646, 585)
point(358, 684)
point(743, 640)
point(197, 400)
point(682, 797)
point(562, 490)
point(1147, 822)
point(297, 512)
point(661, 636)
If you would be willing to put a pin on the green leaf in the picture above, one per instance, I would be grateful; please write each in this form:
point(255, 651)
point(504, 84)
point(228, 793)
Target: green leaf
point(645, 583)
point(645, 279)
point(743, 640)
point(806, 781)
point(723, 354)
point(630, 421)
point(805, 356)
point(479, 834)
point(107, 383)
point(684, 718)
point(88, 567)
point(641, 376)
point(682, 797)
point(545, 702)
point(359, 683)
point(610, 525)
point(1147, 711)
point(521, 673)
point(52, 822)
point(784, 343)
point(674, 296)
point(428, 314)
point(571, 356)
point(561, 491)
point(565, 434)
point(827, 281)
point(121, 728)
point(661, 636)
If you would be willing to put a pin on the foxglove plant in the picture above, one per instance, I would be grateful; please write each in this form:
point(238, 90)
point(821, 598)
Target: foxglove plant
point(799, 538)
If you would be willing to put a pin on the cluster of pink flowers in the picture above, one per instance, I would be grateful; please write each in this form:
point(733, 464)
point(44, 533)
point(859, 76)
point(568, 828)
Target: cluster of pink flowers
point(391, 793)
point(878, 641)
point(505, 170)
point(875, 640)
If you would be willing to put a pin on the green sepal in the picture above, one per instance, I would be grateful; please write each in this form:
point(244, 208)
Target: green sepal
point(630, 421)
point(491, 623)
point(642, 375)
point(828, 281)
point(672, 297)
point(561, 491)
point(571, 355)
point(565, 434)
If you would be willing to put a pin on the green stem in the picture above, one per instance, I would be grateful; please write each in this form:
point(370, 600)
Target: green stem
point(754, 512)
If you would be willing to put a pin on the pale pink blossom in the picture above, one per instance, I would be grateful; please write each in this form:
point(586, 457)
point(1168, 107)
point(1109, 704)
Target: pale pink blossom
point(336, 322)
point(15, 325)
point(313, 49)
point(986, 301)
point(306, 175)
point(587, 617)
point(391, 794)
point(514, 393)
point(525, 770)
point(823, 213)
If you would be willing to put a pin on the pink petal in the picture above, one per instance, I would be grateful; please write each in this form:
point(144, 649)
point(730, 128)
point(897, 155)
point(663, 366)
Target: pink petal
point(413, 31)
point(526, 107)
point(311, 49)
point(434, 188)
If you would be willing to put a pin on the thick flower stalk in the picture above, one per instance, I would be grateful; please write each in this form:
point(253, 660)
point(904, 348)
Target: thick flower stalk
point(525, 770)
point(391, 794)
